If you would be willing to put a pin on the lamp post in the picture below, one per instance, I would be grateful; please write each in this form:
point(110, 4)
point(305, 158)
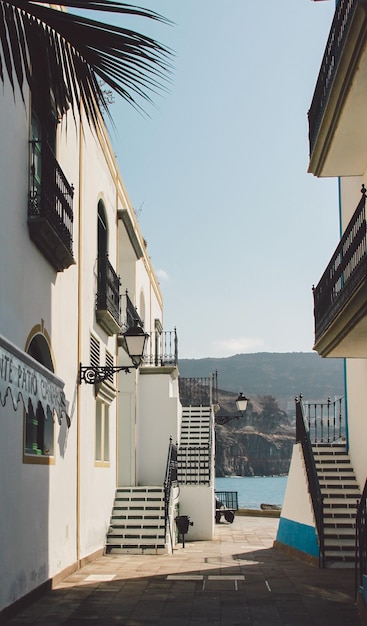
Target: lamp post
point(135, 339)
point(241, 404)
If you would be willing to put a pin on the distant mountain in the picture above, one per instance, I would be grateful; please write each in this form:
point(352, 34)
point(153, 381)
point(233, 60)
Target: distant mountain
point(282, 375)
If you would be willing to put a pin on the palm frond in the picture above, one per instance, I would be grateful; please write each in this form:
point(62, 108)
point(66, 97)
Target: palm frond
point(60, 55)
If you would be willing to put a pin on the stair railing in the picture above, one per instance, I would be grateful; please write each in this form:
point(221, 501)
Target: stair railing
point(303, 437)
point(170, 481)
point(361, 541)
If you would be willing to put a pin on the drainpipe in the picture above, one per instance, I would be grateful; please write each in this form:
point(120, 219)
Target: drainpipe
point(344, 360)
point(80, 311)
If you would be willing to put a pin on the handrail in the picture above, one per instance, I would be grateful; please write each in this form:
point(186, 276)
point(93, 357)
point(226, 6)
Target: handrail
point(345, 272)
point(361, 541)
point(170, 480)
point(303, 437)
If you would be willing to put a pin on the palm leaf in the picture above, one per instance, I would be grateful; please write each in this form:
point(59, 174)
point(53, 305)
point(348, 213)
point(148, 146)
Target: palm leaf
point(68, 53)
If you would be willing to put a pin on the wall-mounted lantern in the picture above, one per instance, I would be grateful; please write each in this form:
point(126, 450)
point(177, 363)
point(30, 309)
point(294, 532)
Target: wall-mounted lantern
point(135, 339)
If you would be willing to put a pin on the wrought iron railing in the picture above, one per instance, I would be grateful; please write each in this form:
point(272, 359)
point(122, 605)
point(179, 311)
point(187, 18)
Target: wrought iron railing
point(108, 293)
point(338, 33)
point(50, 195)
point(345, 272)
point(132, 315)
point(326, 421)
point(361, 540)
point(170, 481)
point(163, 348)
point(303, 437)
point(199, 391)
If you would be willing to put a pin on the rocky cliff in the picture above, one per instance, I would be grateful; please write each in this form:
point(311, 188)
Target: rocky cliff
point(259, 443)
point(245, 453)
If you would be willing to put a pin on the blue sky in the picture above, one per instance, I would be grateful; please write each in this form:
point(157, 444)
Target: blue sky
point(237, 230)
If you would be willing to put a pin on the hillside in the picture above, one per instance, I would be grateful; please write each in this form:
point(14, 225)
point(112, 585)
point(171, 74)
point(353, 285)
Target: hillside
point(261, 442)
point(282, 375)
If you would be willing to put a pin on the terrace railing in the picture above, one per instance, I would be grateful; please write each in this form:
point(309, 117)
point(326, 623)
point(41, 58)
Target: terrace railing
point(199, 391)
point(108, 293)
point(326, 421)
point(162, 348)
point(50, 206)
point(338, 33)
point(345, 272)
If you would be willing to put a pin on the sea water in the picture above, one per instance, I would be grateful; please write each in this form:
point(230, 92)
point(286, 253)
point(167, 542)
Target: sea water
point(254, 490)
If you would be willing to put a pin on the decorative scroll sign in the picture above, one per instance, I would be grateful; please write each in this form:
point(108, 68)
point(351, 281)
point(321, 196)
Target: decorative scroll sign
point(24, 379)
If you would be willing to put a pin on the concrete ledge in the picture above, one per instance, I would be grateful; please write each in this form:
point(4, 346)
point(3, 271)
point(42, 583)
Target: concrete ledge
point(258, 513)
point(51, 583)
point(294, 553)
point(362, 608)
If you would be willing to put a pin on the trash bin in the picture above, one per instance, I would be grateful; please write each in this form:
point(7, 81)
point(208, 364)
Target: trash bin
point(183, 523)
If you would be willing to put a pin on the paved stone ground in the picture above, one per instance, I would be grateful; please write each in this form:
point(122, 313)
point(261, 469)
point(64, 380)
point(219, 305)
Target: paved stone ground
point(237, 579)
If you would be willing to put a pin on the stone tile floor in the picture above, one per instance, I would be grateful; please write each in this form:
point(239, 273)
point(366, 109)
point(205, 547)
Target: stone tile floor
point(237, 579)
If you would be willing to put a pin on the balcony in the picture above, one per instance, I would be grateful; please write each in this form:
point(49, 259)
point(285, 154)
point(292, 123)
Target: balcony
point(340, 298)
point(338, 141)
point(162, 349)
point(108, 297)
point(50, 212)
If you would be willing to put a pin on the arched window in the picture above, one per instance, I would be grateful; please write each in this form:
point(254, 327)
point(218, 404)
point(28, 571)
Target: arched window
point(102, 231)
point(39, 427)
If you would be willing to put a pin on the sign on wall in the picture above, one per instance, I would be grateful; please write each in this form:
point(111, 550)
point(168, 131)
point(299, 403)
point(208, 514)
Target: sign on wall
point(24, 379)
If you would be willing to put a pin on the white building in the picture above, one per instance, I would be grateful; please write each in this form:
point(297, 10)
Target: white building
point(325, 527)
point(75, 275)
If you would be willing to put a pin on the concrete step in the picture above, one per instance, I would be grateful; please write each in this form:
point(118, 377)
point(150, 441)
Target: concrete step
point(137, 524)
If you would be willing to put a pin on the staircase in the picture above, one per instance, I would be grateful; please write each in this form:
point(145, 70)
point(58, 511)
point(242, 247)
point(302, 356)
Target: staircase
point(340, 492)
point(194, 452)
point(137, 523)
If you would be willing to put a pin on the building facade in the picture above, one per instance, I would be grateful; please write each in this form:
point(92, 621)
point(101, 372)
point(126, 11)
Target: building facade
point(76, 275)
point(320, 512)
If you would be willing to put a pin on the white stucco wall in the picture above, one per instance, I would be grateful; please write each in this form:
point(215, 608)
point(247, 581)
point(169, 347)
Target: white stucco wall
point(158, 418)
point(198, 502)
point(356, 377)
point(297, 505)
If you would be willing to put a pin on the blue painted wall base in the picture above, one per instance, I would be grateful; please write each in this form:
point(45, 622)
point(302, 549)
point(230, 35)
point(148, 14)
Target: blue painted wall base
point(298, 536)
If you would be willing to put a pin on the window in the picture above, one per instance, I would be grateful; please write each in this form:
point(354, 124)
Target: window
point(50, 204)
point(108, 283)
point(39, 426)
point(102, 447)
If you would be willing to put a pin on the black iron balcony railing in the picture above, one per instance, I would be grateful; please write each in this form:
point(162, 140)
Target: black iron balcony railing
point(199, 391)
point(303, 437)
point(132, 315)
point(163, 348)
point(108, 294)
point(326, 421)
point(50, 212)
point(345, 272)
point(338, 33)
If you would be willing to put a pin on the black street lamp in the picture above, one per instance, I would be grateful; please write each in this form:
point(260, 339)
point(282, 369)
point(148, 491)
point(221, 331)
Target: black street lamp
point(241, 404)
point(135, 339)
